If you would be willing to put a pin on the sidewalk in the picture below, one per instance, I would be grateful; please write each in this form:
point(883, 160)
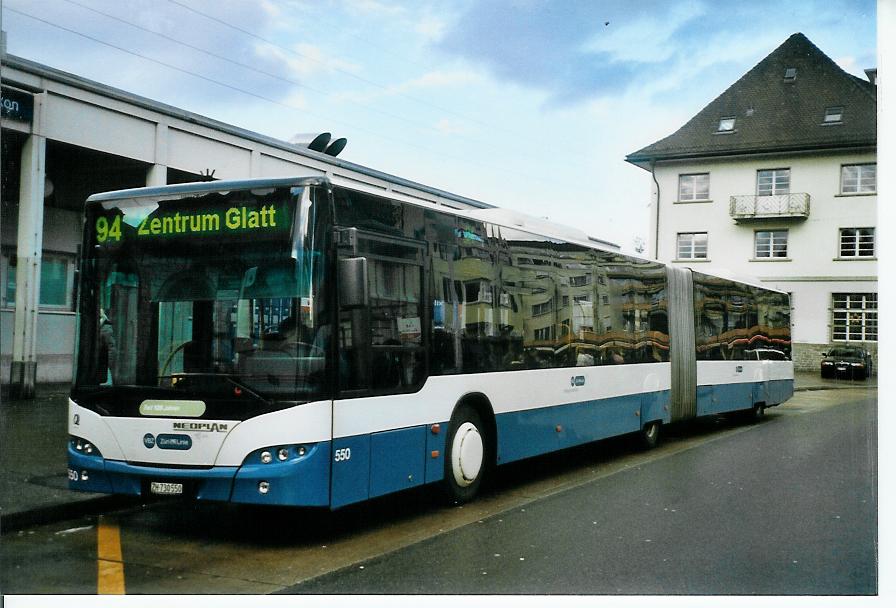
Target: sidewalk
point(33, 436)
point(33, 443)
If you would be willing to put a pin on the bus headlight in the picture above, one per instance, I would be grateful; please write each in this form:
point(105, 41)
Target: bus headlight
point(284, 453)
point(82, 446)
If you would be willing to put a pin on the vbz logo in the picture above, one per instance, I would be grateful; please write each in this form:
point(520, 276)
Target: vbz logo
point(577, 381)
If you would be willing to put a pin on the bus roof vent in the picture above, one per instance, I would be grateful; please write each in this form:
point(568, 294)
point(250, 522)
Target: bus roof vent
point(319, 142)
point(312, 141)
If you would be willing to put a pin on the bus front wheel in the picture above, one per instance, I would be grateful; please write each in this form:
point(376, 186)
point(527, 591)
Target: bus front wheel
point(465, 455)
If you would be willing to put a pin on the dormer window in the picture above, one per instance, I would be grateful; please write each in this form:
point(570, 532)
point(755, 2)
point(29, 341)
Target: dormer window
point(833, 114)
point(726, 123)
point(790, 74)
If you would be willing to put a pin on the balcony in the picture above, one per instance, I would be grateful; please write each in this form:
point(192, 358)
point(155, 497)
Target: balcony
point(746, 207)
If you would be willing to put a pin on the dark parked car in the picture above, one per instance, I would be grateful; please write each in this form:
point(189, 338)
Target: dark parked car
point(846, 362)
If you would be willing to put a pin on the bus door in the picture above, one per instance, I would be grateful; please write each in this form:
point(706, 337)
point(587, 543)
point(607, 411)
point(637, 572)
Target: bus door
point(381, 342)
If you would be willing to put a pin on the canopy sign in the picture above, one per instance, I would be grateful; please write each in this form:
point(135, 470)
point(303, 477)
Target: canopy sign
point(16, 105)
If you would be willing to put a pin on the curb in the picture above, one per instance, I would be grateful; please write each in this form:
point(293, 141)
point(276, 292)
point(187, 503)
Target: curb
point(834, 387)
point(20, 520)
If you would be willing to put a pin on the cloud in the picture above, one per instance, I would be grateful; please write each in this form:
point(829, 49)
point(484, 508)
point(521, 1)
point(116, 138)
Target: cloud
point(653, 31)
point(146, 57)
point(376, 8)
point(453, 126)
point(575, 51)
point(431, 27)
point(302, 60)
point(435, 79)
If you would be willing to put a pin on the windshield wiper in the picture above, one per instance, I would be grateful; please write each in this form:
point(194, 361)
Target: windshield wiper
point(240, 385)
point(247, 388)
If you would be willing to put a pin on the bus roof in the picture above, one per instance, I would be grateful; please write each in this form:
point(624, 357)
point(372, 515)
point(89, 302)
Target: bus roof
point(204, 187)
point(493, 215)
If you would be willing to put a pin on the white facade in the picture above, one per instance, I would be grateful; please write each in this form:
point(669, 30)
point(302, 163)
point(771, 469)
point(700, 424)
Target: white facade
point(814, 266)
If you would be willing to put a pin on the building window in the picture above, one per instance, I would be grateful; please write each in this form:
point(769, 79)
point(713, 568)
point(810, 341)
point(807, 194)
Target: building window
point(543, 308)
point(854, 317)
point(790, 74)
point(834, 114)
point(545, 333)
point(692, 245)
point(856, 179)
point(857, 242)
point(772, 181)
point(56, 280)
point(693, 187)
point(771, 243)
point(726, 123)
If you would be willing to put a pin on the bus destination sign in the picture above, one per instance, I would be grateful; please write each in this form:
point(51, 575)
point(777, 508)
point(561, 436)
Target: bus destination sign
point(186, 224)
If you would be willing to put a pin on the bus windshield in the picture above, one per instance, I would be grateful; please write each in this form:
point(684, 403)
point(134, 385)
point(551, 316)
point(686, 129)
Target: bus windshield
point(212, 296)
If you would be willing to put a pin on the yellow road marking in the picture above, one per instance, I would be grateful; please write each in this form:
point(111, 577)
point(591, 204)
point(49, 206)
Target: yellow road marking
point(110, 568)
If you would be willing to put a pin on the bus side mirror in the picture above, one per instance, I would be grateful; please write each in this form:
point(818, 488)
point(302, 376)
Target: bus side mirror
point(353, 291)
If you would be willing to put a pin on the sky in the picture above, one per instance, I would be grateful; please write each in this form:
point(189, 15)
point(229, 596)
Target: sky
point(524, 104)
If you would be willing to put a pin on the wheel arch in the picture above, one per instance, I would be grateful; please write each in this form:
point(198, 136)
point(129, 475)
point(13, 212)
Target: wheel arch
point(483, 406)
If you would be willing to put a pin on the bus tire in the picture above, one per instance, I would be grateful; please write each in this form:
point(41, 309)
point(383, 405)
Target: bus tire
point(756, 413)
point(650, 435)
point(466, 460)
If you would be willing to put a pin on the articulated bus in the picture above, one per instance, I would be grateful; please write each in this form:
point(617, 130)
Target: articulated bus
point(311, 342)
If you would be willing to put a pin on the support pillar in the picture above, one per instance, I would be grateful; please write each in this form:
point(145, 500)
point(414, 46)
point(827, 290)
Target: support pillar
point(157, 174)
point(255, 164)
point(23, 372)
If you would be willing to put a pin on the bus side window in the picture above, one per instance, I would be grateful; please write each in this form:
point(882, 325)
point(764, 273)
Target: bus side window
point(396, 324)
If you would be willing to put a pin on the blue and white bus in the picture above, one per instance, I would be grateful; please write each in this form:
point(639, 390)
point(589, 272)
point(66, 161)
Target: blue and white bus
point(306, 342)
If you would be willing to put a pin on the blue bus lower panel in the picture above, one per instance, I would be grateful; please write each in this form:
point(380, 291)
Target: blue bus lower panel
point(397, 460)
point(299, 481)
point(721, 398)
point(435, 453)
point(366, 466)
point(351, 470)
point(533, 432)
point(779, 391)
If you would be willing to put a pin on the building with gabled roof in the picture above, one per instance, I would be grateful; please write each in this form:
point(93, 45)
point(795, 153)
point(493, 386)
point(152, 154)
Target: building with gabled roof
point(776, 180)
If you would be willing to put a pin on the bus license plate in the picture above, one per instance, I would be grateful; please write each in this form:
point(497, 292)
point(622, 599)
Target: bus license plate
point(161, 487)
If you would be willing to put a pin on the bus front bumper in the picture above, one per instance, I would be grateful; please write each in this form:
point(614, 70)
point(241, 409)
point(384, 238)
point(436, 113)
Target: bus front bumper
point(299, 481)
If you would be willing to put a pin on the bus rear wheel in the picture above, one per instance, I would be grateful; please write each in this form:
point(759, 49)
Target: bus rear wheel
point(650, 435)
point(466, 455)
point(758, 412)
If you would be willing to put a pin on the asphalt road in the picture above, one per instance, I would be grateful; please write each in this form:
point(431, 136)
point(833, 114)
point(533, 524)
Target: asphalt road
point(786, 506)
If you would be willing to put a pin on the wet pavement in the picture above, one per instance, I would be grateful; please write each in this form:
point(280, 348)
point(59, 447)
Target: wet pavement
point(762, 509)
point(33, 436)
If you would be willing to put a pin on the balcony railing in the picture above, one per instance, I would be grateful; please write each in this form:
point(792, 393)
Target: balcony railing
point(754, 207)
